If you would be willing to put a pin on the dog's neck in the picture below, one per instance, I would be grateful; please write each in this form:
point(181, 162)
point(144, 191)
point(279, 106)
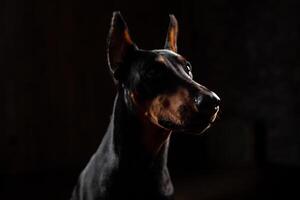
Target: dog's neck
point(123, 165)
point(135, 138)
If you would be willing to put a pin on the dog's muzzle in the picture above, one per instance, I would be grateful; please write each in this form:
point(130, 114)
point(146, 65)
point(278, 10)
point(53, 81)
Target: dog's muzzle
point(207, 110)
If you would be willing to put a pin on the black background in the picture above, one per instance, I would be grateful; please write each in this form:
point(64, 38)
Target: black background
point(56, 94)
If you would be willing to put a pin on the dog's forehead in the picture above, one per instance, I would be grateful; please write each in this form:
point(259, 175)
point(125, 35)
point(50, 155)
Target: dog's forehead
point(167, 53)
point(163, 54)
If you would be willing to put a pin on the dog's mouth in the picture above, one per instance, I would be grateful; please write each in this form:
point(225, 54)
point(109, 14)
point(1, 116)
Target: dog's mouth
point(201, 122)
point(196, 125)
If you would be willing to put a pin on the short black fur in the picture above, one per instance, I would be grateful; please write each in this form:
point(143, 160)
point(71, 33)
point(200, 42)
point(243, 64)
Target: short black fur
point(123, 167)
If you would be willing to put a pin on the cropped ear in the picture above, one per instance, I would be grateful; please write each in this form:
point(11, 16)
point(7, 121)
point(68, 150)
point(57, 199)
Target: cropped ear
point(171, 40)
point(119, 43)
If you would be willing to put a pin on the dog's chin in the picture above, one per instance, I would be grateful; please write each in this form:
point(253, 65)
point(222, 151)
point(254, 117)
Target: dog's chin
point(196, 126)
point(169, 125)
point(199, 130)
point(200, 123)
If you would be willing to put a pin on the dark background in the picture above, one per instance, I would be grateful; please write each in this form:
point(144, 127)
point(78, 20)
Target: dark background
point(56, 94)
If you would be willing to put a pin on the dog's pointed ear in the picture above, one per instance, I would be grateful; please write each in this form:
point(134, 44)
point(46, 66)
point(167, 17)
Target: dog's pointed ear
point(119, 43)
point(171, 40)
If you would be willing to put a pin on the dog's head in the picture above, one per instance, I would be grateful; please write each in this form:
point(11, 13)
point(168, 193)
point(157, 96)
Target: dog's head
point(159, 83)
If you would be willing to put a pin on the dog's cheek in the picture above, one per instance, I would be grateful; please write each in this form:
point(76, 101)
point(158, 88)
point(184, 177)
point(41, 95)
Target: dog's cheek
point(158, 110)
point(170, 111)
point(179, 106)
point(154, 110)
point(185, 113)
point(173, 108)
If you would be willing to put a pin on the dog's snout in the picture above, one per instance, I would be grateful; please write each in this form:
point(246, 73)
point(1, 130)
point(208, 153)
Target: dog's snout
point(207, 101)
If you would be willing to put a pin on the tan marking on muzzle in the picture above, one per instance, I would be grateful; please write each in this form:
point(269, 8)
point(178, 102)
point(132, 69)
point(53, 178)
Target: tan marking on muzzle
point(167, 107)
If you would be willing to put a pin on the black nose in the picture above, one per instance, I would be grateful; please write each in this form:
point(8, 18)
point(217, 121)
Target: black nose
point(207, 101)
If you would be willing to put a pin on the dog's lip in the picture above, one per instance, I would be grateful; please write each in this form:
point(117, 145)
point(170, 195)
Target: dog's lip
point(199, 126)
point(217, 108)
point(194, 131)
point(214, 116)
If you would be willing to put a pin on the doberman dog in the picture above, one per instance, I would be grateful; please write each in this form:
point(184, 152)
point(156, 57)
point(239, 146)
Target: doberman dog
point(156, 96)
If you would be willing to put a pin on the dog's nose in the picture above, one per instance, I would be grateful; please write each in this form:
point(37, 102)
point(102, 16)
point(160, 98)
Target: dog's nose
point(207, 101)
